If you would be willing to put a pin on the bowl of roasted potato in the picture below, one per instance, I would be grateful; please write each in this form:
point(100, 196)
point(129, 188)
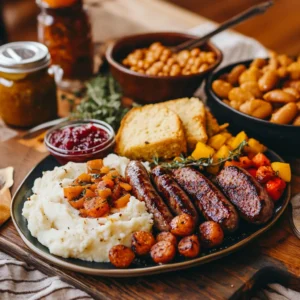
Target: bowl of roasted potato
point(262, 95)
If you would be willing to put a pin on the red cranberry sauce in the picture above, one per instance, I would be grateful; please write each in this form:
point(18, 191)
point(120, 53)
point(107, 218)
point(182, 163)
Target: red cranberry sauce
point(79, 138)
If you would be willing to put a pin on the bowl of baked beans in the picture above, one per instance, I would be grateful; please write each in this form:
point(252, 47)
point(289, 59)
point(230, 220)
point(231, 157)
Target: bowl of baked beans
point(262, 96)
point(149, 72)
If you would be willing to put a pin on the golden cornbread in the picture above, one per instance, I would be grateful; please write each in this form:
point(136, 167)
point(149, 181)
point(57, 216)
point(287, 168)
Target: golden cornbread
point(150, 131)
point(191, 111)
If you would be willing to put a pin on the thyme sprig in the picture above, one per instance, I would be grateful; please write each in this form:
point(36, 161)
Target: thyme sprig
point(202, 162)
point(102, 101)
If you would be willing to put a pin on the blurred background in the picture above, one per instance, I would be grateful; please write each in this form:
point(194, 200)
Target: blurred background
point(278, 29)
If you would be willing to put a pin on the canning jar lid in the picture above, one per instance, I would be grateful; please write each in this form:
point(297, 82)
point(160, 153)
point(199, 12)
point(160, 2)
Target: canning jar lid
point(23, 57)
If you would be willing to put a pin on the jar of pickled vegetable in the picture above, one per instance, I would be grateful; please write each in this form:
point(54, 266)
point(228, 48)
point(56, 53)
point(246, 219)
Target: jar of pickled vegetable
point(64, 27)
point(27, 90)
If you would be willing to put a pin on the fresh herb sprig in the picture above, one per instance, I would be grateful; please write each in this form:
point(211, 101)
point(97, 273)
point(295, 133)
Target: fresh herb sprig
point(102, 101)
point(202, 162)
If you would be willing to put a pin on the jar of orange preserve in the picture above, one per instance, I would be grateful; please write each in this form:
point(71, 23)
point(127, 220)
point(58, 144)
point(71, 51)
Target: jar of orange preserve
point(64, 27)
point(27, 90)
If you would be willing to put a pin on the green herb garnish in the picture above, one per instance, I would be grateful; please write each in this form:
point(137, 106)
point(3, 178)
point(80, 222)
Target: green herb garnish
point(102, 101)
point(202, 162)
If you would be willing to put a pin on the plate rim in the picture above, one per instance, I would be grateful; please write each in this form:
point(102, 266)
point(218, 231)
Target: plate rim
point(152, 269)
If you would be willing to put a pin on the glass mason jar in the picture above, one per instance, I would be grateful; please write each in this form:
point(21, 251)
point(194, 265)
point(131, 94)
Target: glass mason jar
point(64, 27)
point(27, 90)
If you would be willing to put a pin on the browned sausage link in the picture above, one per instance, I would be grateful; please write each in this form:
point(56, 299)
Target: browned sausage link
point(207, 198)
point(176, 198)
point(244, 191)
point(142, 189)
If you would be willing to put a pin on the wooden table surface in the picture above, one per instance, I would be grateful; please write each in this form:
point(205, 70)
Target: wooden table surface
point(272, 257)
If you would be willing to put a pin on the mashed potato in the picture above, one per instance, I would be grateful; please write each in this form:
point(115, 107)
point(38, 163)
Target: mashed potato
point(58, 226)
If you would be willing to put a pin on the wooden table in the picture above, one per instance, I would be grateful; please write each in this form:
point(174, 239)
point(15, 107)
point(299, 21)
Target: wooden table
point(273, 257)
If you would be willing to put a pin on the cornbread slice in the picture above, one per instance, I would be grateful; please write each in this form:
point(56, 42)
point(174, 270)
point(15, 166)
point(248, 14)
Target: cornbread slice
point(191, 111)
point(150, 131)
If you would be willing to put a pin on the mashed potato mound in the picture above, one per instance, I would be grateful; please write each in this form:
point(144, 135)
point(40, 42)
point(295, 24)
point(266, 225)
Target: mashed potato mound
point(58, 226)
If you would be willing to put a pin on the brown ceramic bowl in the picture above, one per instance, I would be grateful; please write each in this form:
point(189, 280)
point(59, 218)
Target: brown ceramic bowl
point(146, 89)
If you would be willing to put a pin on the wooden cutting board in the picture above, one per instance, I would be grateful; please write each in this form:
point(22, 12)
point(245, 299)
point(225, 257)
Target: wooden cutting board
point(273, 257)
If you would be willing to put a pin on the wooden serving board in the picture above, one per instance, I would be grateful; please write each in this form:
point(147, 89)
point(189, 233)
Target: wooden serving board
point(272, 257)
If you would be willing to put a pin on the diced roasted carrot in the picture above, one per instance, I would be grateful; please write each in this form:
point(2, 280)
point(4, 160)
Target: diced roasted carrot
point(261, 160)
point(232, 163)
point(89, 193)
point(246, 162)
point(127, 187)
point(275, 188)
point(96, 207)
point(84, 178)
point(104, 170)
point(104, 193)
point(94, 166)
point(122, 201)
point(107, 181)
point(112, 174)
point(78, 204)
point(73, 192)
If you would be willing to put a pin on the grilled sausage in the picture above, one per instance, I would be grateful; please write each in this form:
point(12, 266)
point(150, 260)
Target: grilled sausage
point(207, 198)
point(244, 191)
point(176, 199)
point(142, 189)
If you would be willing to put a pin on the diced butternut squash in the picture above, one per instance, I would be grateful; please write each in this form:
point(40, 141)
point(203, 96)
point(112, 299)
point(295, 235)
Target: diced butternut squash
point(213, 169)
point(226, 134)
point(104, 193)
point(240, 137)
point(89, 193)
point(94, 166)
point(122, 201)
point(283, 170)
point(107, 181)
point(246, 162)
point(84, 178)
point(223, 152)
point(254, 146)
point(73, 192)
point(229, 142)
point(202, 150)
point(112, 174)
point(78, 204)
point(217, 141)
point(104, 170)
point(127, 187)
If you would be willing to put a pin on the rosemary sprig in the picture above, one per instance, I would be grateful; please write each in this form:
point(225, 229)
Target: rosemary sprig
point(102, 101)
point(202, 162)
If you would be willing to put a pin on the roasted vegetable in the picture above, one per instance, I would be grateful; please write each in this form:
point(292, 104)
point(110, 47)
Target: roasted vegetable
point(182, 225)
point(275, 188)
point(260, 160)
point(189, 246)
point(163, 252)
point(283, 170)
point(142, 242)
point(211, 234)
point(166, 236)
point(121, 256)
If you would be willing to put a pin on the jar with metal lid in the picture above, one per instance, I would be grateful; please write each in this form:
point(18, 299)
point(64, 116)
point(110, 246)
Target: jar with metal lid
point(27, 90)
point(64, 27)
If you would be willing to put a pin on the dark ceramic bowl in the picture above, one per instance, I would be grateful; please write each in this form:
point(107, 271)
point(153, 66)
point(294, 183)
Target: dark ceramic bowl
point(283, 138)
point(144, 88)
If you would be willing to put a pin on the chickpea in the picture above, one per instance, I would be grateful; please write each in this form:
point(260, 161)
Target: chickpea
point(197, 62)
point(282, 72)
point(279, 96)
point(171, 61)
point(194, 70)
point(189, 246)
point(211, 234)
point(268, 81)
point(191, 61)
point(285, 114)
point(142, 242)
point(195, 52)
point(154, 46)
point(133, 68)
point(147, 65)
point(298, 105)
point(163, 252)
point(203, 68)
point(166, 69)
point(182, 225)
point(183, 55)
point(284, 60)
point(239, 95)
point(158, 65)
point(293, 83)
point(163, 58)
point(235, 104)
point(138, 54)
point(221, 88)
point(252, 87)
point(121, 256)
point(257, 108)
point(234, 75)
point(125, 62)
point(175, 70)
point(140, 64)
point(167, 236)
